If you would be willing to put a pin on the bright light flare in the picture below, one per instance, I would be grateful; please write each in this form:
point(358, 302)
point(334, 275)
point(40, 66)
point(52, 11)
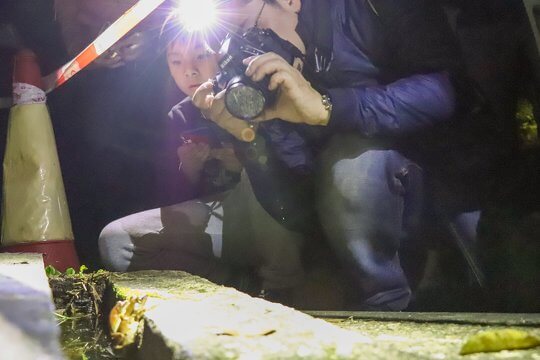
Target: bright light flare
point(196, 15)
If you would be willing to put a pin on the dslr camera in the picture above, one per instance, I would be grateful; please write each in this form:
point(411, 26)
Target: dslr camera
point(244, 98)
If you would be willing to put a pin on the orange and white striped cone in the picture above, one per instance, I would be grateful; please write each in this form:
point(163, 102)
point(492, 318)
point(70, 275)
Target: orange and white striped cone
point(35, 216)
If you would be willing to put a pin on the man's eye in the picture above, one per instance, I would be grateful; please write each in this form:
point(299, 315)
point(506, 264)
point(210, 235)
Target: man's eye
point(203, 56)
point(176, 62)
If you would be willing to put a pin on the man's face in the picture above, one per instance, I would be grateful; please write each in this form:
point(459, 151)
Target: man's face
point(281, 17)
point(190, 65)
point(241, 14)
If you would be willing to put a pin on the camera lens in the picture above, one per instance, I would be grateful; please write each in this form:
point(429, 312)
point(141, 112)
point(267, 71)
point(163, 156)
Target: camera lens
point(243, 101)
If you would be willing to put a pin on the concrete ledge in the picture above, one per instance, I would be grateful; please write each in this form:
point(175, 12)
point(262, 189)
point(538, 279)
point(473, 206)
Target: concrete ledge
point(191, 318)
point(27, 324)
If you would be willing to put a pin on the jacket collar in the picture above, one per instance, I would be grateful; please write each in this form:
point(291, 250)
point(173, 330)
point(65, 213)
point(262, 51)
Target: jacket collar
point(315, 29)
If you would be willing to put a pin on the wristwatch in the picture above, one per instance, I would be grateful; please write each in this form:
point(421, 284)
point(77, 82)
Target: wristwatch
point(327, 103)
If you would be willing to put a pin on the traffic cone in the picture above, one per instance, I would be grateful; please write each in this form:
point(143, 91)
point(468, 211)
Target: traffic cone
point(35, 216)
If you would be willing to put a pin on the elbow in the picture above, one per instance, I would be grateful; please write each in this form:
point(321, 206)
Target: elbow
point(444, 102)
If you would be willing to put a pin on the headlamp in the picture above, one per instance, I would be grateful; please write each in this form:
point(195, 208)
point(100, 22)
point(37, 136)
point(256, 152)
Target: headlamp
point(196, 15)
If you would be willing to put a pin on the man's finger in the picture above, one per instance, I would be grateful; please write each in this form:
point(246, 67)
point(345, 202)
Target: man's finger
point(269, 67)
point(256, 61)
point(204, 96)
point(238, 128)
point(213, 108)
point(278, 79)
point(267, 114)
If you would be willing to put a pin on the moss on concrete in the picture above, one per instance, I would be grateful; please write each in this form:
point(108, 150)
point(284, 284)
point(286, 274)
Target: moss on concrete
point(196, 319)
point(191, 318)
point(433, 340)
point(161, 284)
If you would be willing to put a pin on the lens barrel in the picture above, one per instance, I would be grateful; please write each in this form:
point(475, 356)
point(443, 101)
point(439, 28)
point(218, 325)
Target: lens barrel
point(244, 101)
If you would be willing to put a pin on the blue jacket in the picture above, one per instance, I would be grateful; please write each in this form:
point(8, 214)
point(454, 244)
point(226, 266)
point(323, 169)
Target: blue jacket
point(392, 68)
point(389, 67)
point(366, 96)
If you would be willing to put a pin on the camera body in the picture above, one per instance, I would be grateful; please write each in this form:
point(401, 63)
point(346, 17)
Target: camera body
point(244, 98)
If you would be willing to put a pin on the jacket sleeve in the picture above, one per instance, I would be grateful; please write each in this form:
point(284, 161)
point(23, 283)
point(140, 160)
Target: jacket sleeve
point(421, 62)
point(398, 108)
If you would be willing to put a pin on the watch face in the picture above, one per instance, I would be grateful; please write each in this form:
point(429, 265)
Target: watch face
point(244, 102)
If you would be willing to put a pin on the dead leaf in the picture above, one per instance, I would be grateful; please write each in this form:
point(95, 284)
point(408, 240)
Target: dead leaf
point(498, 340)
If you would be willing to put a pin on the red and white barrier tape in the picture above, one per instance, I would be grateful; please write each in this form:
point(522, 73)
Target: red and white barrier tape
point(103, 42)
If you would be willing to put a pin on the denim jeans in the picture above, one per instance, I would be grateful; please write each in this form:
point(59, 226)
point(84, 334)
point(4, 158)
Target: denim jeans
point(369, 198)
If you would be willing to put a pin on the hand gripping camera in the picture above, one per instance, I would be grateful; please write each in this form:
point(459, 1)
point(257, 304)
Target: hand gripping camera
point(244, 98)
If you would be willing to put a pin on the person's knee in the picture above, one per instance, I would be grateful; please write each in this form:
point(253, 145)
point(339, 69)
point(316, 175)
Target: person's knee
point(193, 214)
point(115, 247)
point(350, 179)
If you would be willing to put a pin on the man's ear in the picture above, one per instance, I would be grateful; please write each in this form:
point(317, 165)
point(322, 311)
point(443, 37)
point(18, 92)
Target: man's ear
point(291, 5)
